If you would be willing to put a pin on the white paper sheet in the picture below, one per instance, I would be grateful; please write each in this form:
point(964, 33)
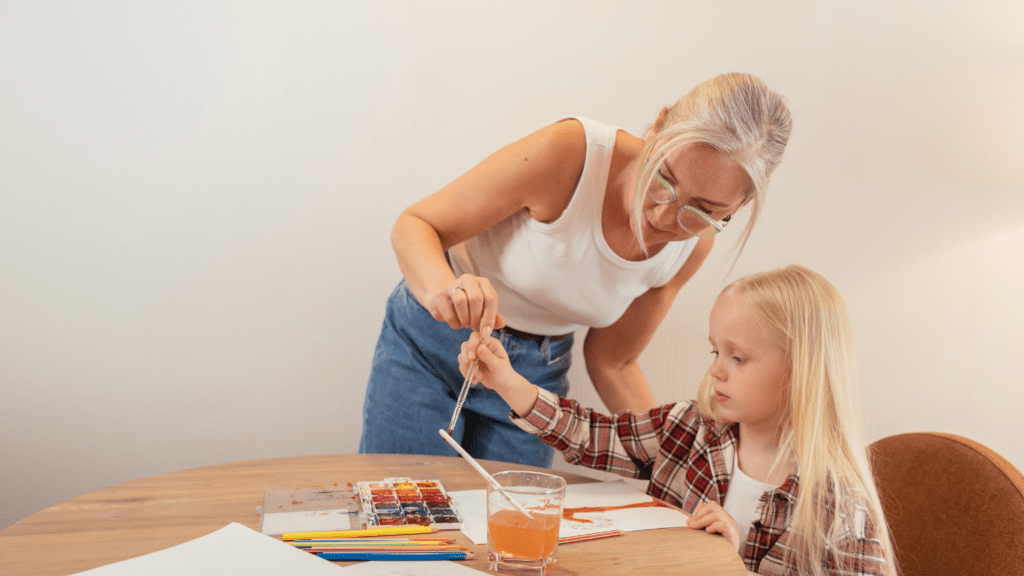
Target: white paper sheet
point(306, 521)
point(472, 505)
point(230, 551)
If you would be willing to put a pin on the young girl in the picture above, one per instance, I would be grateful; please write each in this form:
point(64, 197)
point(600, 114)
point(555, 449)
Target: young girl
point(770, 456)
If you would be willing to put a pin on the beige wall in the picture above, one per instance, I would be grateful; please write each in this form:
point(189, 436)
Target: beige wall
point(195, 203)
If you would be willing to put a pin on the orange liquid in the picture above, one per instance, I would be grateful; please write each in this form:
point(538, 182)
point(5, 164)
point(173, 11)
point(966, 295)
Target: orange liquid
point(513, 533)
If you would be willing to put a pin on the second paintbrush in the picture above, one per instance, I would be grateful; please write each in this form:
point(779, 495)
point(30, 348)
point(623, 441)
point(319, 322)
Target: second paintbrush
point(466, 385)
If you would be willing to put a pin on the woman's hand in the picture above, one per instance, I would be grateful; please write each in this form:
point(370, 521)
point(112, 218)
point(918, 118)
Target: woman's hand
point(494, 370)
point(712, 518)
point(467, 302)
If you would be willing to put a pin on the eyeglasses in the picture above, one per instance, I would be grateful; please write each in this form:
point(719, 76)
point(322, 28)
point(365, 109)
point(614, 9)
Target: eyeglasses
point(693, 220)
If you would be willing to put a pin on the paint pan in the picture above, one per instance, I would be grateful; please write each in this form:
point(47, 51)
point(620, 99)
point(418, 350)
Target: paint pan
point(404, 501)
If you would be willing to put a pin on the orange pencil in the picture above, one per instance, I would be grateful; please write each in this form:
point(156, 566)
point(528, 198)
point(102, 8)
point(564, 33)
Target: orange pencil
point(591, 536)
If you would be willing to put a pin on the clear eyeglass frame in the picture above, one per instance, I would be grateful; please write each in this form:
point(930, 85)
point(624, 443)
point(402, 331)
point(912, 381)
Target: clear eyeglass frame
point(693, 220)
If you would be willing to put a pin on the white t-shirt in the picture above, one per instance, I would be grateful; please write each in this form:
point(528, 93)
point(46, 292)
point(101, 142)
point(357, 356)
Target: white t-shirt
point(741, 500)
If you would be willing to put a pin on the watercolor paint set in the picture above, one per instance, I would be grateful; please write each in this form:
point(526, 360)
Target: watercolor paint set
point(404, 501)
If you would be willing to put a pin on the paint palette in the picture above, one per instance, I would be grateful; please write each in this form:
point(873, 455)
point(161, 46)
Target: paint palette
point(309, 509)
point(404, 501)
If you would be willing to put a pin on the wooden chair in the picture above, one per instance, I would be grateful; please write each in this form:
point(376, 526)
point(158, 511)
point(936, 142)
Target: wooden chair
point(953, 505)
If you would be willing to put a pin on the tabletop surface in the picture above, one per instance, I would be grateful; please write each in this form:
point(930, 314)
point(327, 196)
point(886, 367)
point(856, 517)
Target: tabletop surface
point(151, 514)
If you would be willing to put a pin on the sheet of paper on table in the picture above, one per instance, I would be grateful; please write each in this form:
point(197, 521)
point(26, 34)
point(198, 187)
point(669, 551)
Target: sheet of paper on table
point(472, 505)
point(230, 551)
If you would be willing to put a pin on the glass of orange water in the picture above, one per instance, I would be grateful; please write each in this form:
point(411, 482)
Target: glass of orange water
point(517, 542)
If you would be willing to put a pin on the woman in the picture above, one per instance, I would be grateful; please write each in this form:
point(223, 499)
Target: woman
point(576, 225)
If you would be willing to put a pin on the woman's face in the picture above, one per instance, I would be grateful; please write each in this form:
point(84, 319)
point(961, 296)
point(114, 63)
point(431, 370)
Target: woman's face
point(700, 177)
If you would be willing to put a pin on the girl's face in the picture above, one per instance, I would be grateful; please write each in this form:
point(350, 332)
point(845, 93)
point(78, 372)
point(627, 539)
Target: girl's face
point(749, 373)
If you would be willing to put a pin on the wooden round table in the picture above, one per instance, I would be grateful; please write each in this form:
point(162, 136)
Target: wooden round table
point(151, 514)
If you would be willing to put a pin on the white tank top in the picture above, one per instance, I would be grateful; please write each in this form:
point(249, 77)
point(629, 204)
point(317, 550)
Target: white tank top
point(557, 277)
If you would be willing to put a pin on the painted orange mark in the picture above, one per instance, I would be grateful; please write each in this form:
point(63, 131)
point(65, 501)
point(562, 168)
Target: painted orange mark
point(570, 513)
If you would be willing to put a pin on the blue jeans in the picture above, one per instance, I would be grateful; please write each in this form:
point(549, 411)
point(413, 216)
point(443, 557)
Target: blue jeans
point(415, 382)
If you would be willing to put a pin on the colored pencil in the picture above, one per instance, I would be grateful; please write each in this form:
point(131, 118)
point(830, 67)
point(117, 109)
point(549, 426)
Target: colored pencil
point(371, 542)
point(396, 556)
point(437, 538)
point(591, 536)
point(380, 531)
point(368, 543)
point(418, 550)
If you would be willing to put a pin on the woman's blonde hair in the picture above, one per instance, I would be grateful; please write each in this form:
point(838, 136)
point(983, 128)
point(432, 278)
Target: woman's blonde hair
point(804, 314)
point(736, 114)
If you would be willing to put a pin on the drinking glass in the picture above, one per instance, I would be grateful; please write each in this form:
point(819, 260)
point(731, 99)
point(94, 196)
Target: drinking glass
point(516, 542)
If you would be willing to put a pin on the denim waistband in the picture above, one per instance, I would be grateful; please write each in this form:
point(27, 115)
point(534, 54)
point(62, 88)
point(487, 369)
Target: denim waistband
point(535, 337)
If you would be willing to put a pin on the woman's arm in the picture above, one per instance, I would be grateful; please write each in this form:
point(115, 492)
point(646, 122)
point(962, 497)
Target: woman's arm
point(612, 352)
point(537, 173)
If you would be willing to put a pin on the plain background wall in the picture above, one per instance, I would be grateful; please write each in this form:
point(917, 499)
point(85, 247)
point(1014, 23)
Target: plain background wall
point(196, 198)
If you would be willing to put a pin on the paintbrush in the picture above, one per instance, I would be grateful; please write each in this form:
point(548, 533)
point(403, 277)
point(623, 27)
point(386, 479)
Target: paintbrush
point(490, 479)
point(465, 388)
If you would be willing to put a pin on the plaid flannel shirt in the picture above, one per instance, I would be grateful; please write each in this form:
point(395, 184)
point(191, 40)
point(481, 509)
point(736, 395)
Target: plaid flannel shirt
point(688, 460)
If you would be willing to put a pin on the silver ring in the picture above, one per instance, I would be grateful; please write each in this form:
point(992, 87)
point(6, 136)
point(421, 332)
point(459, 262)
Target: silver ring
point(457, 288)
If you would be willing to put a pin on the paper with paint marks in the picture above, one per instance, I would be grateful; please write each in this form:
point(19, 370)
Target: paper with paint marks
point(309, 509)
point(595, 507)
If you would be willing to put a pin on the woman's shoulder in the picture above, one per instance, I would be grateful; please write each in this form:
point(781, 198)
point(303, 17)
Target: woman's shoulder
point(575, 134)
point(565, 139)
point(560, 147)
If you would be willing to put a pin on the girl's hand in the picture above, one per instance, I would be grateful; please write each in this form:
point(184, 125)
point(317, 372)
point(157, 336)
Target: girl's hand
point(494, 366)
point(467, 302)
point(494, 370)
point(712, 518)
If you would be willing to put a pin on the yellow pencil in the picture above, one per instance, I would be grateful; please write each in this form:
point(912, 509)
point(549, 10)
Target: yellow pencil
point(318, 543)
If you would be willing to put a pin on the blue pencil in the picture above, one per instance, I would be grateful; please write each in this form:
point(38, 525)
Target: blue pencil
point(413, 556)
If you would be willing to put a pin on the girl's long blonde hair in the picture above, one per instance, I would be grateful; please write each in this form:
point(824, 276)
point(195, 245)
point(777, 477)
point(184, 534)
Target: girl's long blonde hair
point(736, 114)
point(821, 428)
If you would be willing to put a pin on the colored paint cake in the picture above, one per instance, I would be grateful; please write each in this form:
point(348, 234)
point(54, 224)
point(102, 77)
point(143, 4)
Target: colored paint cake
point(404, 501)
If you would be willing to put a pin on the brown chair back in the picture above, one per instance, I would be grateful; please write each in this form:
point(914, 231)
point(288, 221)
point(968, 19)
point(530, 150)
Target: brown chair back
point(953, 505)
